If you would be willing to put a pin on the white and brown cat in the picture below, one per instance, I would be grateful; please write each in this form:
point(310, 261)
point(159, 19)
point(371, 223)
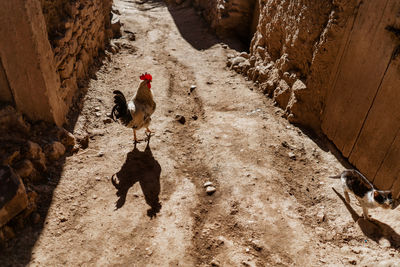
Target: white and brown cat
point(368, 196)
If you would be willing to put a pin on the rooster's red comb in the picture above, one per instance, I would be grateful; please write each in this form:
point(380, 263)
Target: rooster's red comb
point(146, 77)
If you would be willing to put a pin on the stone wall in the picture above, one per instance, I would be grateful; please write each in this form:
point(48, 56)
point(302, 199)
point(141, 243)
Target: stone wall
point(77, 32)
point(46, 49)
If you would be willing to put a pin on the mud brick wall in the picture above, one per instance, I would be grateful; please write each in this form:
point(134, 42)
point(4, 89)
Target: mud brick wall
point(78, 30)
point(333, 66)
point(47, 48)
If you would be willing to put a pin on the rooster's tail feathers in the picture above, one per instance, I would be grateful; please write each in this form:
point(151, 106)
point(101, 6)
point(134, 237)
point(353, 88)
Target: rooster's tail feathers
point(121, 108)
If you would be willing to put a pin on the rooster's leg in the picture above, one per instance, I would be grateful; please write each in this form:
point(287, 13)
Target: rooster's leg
point(134, 137)
point(149, 132)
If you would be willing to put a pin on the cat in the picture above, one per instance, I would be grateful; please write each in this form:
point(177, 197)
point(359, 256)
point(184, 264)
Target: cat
point(367, 195)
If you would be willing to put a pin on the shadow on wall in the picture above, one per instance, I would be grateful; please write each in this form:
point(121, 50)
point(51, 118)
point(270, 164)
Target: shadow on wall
point(142, 167)
point(196, 32)
point(373, 228)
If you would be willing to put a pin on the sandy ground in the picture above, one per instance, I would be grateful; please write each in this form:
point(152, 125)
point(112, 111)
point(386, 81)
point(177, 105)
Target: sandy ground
point(273, 205)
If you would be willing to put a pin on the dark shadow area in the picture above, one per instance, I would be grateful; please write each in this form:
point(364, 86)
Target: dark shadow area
point(373, 228)
point(326, 145)
point(151, 4)
point(142, 167)
point(17, 251)
point(194, 29)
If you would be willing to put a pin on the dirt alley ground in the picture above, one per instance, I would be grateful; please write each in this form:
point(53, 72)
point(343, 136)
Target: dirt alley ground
point(274, 205)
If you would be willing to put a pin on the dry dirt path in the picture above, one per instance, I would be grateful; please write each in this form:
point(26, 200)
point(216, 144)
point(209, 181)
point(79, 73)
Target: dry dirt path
point(273, 206)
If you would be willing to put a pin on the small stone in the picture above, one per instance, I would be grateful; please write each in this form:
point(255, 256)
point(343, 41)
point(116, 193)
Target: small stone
point(208, 183)
point(224, 46)
point(24, 168)
point(84, 142)
point(66, 138)
point(256, 245)
point(321, 217)
point(194, 117)
point(210, 190)
point(214, 263)
point(13, 195)
point(98, 114)
point(55, 150)
point(97, 109)
point(192, 88)
point(107, 120)
point(11, 157)
point(181, 119)
point(292, 155)
point(98, 178)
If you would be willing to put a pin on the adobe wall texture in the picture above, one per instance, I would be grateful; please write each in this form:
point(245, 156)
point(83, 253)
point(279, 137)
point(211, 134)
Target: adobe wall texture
point(333, 66)
point(46, 54)
point(77, 32)
point(293, 53)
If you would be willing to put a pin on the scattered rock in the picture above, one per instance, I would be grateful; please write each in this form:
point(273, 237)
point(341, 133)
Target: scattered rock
point(11, 157)
point(13, 198)
point(192, 88)
point(107, 120)
point(97, 109)
point(55, 150)
point(34, 150)
point(321, 216)
point(292, 155)
point(24, 168)
point(208, 183)
point(210, 190)
point(98, 114)
point(130, 35)
point(245, 55)
point(181, 119)
point(84, 142)
point(256, 244)
point(215, 263)
point(66, 138)
point(10, 119)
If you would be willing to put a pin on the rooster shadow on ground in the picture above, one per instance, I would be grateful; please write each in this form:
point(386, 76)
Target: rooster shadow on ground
point(142, 167)
point(373, 228)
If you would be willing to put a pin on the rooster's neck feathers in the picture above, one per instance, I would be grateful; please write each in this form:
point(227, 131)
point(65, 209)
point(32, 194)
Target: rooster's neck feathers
point(143, 93)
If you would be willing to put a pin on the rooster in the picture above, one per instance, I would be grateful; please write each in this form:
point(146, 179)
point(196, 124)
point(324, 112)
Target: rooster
point(136, 113)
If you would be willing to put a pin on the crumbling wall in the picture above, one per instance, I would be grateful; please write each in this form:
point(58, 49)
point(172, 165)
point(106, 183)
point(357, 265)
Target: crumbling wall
point(293, 51)
point(77, 31)
point(334, 66)
point(46, 48)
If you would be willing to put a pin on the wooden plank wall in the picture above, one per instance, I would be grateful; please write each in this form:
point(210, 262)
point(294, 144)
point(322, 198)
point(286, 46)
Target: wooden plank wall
point(362, 109)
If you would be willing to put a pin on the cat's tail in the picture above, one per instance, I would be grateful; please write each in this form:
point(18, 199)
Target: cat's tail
point(336, 177)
